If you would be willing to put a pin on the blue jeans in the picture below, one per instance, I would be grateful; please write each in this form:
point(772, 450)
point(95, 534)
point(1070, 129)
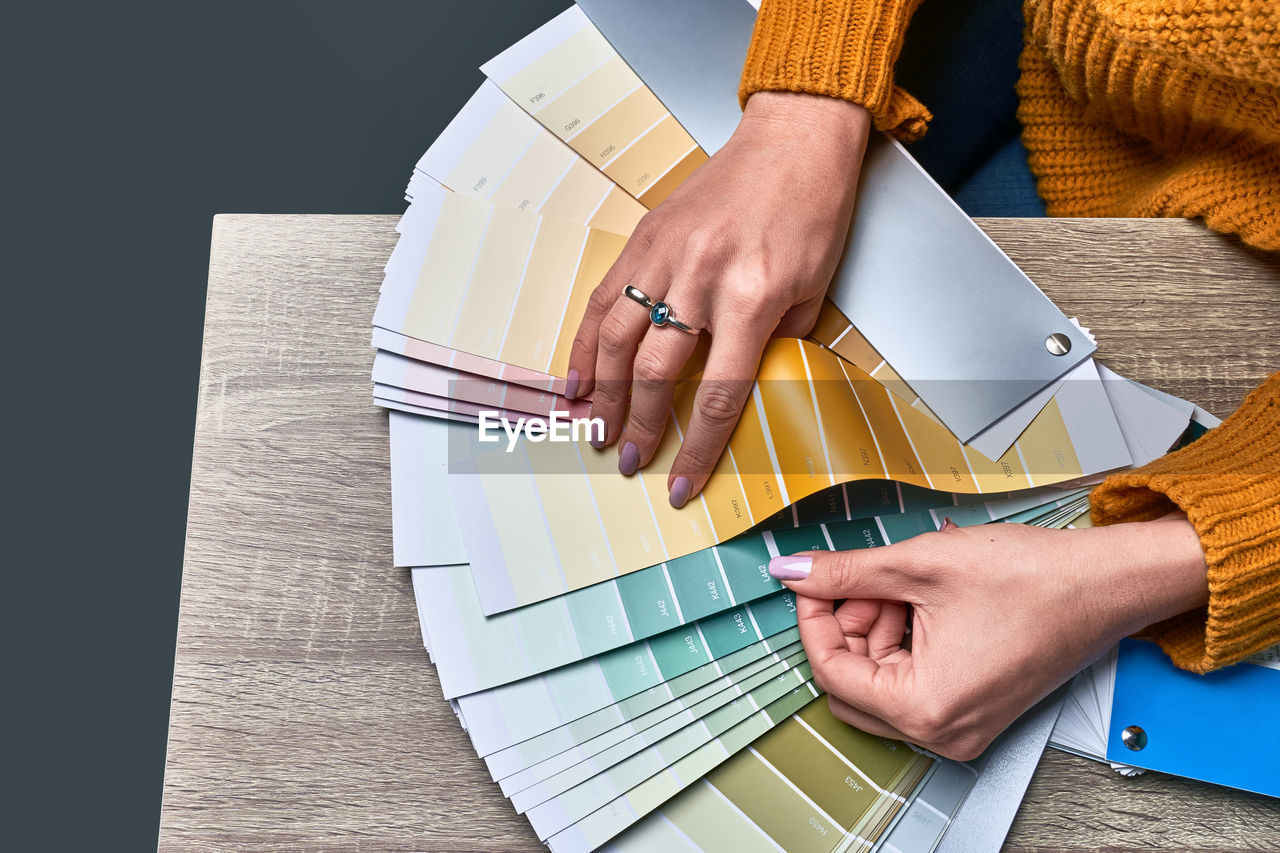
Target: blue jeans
point(961, 60)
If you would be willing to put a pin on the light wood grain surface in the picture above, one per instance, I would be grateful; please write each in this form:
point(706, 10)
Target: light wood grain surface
point(306, 715)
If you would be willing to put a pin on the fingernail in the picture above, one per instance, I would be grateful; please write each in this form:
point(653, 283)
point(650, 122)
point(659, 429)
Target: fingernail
point(948, 524)
point(597, 437)
point(629, 459)
point(679, 495)
point(790, 568)
point(571, 385)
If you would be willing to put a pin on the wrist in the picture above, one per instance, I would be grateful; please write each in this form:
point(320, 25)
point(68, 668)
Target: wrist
point(841, 124)
point(1154, 570)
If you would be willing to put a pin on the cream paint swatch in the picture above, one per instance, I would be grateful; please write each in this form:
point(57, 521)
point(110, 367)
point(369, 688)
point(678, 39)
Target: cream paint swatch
point(493, 282)
point(567, 76)
point(550, 518)
point(494, 150)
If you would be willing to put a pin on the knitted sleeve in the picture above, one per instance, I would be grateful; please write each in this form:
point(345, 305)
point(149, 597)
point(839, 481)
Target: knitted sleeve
point(841, 48)
point(1228, 484)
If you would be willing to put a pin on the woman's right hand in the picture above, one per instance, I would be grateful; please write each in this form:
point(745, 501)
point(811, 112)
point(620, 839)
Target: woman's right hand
point(745, 250)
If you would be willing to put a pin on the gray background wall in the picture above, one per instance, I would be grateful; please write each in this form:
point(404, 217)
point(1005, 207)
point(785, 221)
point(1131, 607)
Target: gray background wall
point(126, 127)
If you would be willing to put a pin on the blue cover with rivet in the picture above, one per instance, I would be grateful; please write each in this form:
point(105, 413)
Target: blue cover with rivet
point(1223, 727)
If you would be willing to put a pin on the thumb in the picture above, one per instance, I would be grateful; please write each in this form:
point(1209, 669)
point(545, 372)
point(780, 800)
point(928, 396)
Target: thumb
point(833, 575)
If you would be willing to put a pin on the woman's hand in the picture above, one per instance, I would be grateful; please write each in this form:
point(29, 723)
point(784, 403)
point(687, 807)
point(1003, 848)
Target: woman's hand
point(744, 250)
point(1001, 615)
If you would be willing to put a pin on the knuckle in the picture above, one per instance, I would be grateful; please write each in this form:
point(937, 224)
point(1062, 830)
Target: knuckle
point(920, 557)
point(650, 368)
point(840, 572)
point(932, 546)
point(646, 422)
point(927, 722)
point(719, 403)
point(581, 345)
point(757, 301)
point(601, 299)
point(699, 458)
point(757, 294)
point(647, 228)
point(608, 394)
point(615, 338)
point(709, 245)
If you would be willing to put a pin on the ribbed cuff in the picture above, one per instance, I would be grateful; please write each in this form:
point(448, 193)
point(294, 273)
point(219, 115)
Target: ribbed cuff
point(841, 48)
point(1228, 484)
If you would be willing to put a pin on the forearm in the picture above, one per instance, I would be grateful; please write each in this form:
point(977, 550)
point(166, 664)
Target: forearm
point(1137, 574)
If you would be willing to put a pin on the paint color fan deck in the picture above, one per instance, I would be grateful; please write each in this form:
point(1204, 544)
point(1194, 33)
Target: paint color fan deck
point(630, 674)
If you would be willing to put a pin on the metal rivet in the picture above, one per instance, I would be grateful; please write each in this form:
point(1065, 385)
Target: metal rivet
point(1058, 344)
point(1134, 738)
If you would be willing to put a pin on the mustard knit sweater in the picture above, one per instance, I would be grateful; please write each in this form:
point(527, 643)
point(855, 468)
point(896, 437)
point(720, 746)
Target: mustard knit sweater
point(1128, 108)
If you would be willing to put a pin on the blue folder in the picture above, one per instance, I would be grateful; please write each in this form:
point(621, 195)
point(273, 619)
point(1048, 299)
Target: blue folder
point(1223, 727)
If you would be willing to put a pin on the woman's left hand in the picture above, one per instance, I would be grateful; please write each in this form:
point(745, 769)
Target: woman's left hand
point(1001, 615)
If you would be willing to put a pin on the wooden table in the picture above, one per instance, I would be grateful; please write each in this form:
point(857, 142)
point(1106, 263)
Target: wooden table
point(305, 713)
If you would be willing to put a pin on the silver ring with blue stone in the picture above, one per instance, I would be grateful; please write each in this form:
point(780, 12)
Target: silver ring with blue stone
point(660, 313)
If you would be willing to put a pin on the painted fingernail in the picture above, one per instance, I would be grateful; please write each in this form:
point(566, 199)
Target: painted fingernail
point(597, 436)
point(679, 495)
point(629, 459)
point(571, 385)
point(790, 568)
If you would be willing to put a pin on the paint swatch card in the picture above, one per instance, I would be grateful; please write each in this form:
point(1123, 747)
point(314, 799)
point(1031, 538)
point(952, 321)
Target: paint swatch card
point(471, 143)
point(567, 76)
point(518, 724)
point(563, 810)
point(715, 746)
point(810, 784)
point(644, 729)
point(493, 281)
point(586, 686)
point(494, 150)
